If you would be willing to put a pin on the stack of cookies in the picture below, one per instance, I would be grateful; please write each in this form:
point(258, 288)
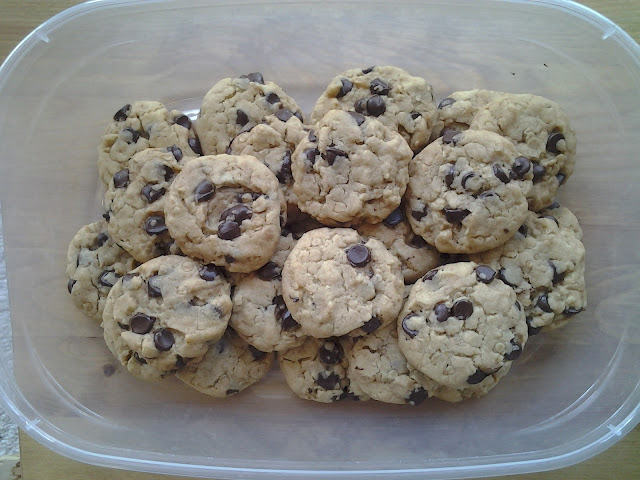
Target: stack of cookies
point(390, 249)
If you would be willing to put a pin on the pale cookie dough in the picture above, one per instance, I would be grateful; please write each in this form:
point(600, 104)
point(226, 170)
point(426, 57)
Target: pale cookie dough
point(235, 105)
point(335, 282)
point(273, 143)
point(351, 169)
point(540, 131)
point(134, 204)
point(260, 315)
point(379, 368)
point(229, 366)
point(227, 210)
point(544, 263)
point(162, 315)
point(466, 191)
point(400, 101)
point(141, 125)
point(416, 256)
point(461, 324)
point(94, 264)
point(317, 370)
point(457, 111)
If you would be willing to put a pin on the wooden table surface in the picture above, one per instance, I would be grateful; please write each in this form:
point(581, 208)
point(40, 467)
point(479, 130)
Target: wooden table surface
point(19, 17)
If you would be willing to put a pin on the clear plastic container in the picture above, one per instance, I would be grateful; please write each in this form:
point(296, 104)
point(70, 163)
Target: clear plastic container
point(574, 392)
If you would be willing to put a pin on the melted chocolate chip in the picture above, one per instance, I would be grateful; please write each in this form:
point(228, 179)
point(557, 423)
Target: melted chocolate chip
point(328, 381)
point(358, 255)
point(70, 284)
point(288, 322)
point(487, 194)
point(450, 176)
point(237, 213)
point(104, 279)
point(139, 359)
point(123, 326)
point(379, 87)
point(500, 174)
point(135, 135)
point(455, 215)
point(269, 271)
point(153, 287)
point(430, 274)
point(257, 354)
point(520, 168)
point(152, 194)
point(331, 153)
point(141, 323)
point(361, 106)
point(516, 351)
point(229, 230)
point(550, 217)
point(477, 377)
point(543, 303)
point(123, 113)
point(100, 240)
point(229, 259)
point(562, 178)
point(330, 352)
point(372, 325)
point(553, 206)
point(154, 225)
point(241, 118)
point(312, 136)
point(420, 214)
point(557, 277)
point(552, 143)
point(376, 106)
point(417, 396)
point(121, 178)
point(485, 273)
point(415, 115)
point(163, 339)
point(442, 312)
point(531, 329)
point(345, 88)
point(462, 309)
point(106, 216)
point(358, 117)
point(177, 154)
point(368, 70)
point(523, 230)
point(394, 218)
point(254, 77)
point(405, 327)
point(502, 276)
point(465, 178)
point(194, 144)
point(538, 172)
point(183, 121)
point(446, 102)
point(518, 306)
point(284, 114)
point(284, 174)
point(272, 98)
point(448, 135)
point(571, 311)
point(310, 154)
point(204, 191)
point(210, 272)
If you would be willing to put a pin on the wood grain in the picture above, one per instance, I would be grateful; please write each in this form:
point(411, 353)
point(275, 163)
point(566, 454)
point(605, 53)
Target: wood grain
point(19, 17)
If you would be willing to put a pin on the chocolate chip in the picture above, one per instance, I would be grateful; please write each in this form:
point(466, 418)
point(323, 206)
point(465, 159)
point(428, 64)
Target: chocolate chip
point(571, 311)
point(106, 216)
point(237, 213)
point(417, 396)
point(123, 113)
point(376, 106)
point(448, 135)
point(538, 172)
point(394, 218)
point(420, 214)
point(108, 370)
point(328, 382)
point(543, 303)
point(163, 339)
point(405, 327)
point(310, 154)
point(100, 240)
point(104, 279)
point(141, 323)
point(298, 115)
point(257, 354)
point(288, 322)
point(462, 309)
point(379, 87)
point(330, 352)
point(520, 168)
point(135, 135)
point(152, 194)
point(139, 359)
point(70, 284)
point(523, 230)
point(455, 215)
point(430, 275)
point(450, 176)
point(487, 194)
point(358, 117)
point(485, 273)
point(284, 174)
point(204, 191)
point(194, 144)
point(361, 106)
point(553, 206)
point(272, 98)
point(241, 118)
point(284, 114)
point(269, 271)
point(123, 326)
point(372, 325)
point(254, 77)
point(531, 329)
point(516, 351)
point(358, 255)
point(331, 153)
point(128, 277)
point(477, 377)
point(345, 88)
point(442, 312)
point(557, 277)
point(446, 102)
point(550, 217)
point(180, 362)
point(500, 174)
point(177, 154)
point(210, 272)
point(502, 276)
point(417, 241)
point(229, 230)
point(153, 287)
point(562, 178)
point(368, 70)
point(154, 225)
point(552, 143)
point(518, 306)
point(415, 115)
point(312, 136)
point(183, 121)
point(465, 178)
point(231, 391)
point(229, 259)
point(121, 178)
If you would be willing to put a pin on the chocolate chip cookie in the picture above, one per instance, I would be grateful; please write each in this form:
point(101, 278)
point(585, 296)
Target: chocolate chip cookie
point(162, 315)
point(317, 370)
point(350, 169)
point(142, 125)
point(336, 282)
point(94, 264)
point(540, 131)
point(544, 263)
point(461, 324)
point(457, 111)
point(467, 191)
point(416, 256)
point(229, 366)
point(400, 101)
point(227, 210)
point(134, 203)
point(260, 315)
point(235, 105)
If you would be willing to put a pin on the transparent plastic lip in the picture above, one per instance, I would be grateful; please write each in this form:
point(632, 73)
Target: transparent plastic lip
point(15, 404)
